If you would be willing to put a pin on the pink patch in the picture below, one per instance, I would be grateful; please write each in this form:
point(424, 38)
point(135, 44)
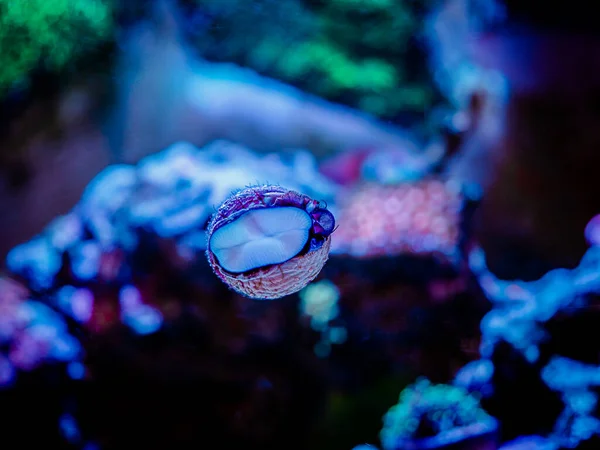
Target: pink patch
point(346, 168)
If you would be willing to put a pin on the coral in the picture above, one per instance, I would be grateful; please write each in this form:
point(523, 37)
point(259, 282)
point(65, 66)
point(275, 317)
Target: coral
point(522, 314)
point(530, 443)
point(319, 302)
point(415, 218)
point(575, 381)
point(32, 334)
point(351, 52)
point(370, 43)
point(169, 195)
point(476, 376)
point(391, 167)
point(38, 33)
point(126, 268)
point(522, 306)
point(446, 31)
point(426, 410)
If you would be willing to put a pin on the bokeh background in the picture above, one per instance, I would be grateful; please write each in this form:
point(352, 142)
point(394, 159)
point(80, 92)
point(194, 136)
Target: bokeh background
point(456, 143)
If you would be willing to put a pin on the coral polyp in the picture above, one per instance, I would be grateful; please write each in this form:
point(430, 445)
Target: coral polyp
point(412, 218)
point(266, 242)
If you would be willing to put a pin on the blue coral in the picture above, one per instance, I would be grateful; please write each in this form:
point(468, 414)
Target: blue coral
point(36, 335)
point(170, 194)
point(520, 310)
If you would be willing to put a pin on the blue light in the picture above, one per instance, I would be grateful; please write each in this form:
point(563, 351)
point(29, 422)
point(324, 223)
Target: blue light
point(82, 305)
point(522, 306)
point(530, 443)
point(144, 319)
point(532, 353)
point(322, 349)
point(85, 260)
point(35, 313)
point(65, 348)
point(64, 231)
point(581, 401)
point(195, 241)
point(76, 302)
point(37, 260)
point(109, 189)
point(592, 231)
point(563, 374)
point(186, 220)
point(519, 310)
point(76, 370)
point(63, 298)
point(150, 210)
point(7, 372)
point(106, 194)
point(68, 427)
point(91, 446)
point(338, 335)
point(130, 298)
point(584, 428)
point(475, 375)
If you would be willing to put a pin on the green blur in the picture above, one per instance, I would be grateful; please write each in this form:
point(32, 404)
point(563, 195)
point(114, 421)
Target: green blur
point(48, 35)
point(365, 54)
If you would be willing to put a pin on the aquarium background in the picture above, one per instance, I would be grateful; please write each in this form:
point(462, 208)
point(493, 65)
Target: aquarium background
point(455, 143)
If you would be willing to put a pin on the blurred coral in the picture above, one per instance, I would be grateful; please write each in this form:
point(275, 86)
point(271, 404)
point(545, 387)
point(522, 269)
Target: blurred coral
point(417, 218)
point(432, 411)
point(31, 333)
point(48, 34)
point(317, 46)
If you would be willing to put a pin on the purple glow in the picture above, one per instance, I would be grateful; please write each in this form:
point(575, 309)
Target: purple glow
point(82, 304)
point(77, 302)
point(530, 443)
point(129, 298)
point(7, 372)
point(592, 231)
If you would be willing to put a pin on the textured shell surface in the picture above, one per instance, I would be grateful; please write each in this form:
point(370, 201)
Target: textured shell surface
point(276, 280)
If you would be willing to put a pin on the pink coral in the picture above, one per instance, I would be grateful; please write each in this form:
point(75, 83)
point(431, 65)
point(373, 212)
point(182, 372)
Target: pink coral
point(416, 218)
